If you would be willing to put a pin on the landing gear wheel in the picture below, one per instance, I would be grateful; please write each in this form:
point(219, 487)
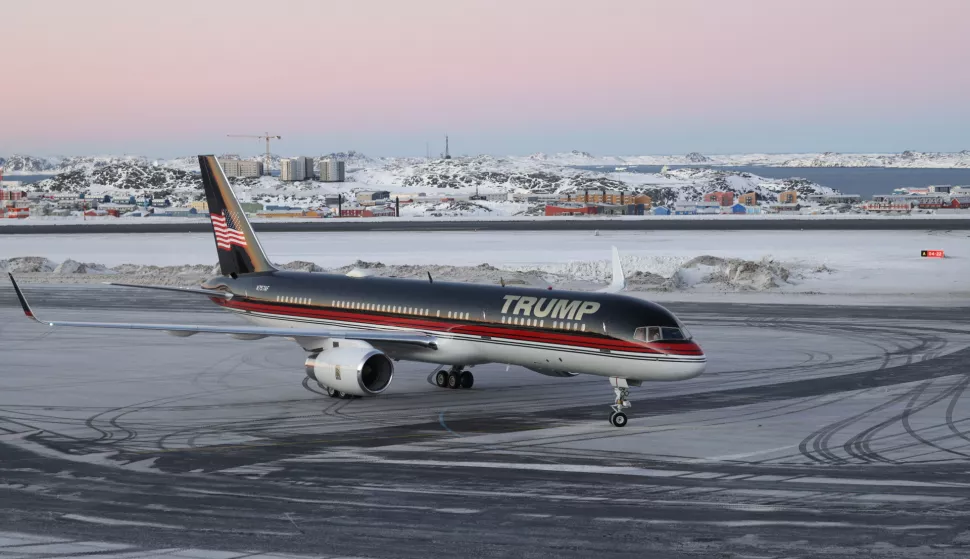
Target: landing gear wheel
point(454, 380)
point(621, 388)
point(441, 379)
point(466, 379)
point(333, 393)
point(346, 396)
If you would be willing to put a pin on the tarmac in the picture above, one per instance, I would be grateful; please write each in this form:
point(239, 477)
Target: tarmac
point(817, 431)
point(715, 223)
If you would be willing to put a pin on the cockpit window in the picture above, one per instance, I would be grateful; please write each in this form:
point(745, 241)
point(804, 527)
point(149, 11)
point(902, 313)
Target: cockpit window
point(660, 334)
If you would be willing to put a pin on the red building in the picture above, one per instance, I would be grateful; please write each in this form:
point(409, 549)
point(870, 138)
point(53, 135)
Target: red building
point(10, 196)
point(369, 211)
point(722, 198)
point(571, 209)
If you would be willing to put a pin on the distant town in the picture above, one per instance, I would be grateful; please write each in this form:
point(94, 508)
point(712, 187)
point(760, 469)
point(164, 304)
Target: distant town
point(18, 201)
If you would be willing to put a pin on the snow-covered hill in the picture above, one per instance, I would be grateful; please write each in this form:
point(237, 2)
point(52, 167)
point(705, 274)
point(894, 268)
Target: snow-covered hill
point(127, 179)
point(26, 164)
point(910, 159)
point(434, 179)
point(30, 165)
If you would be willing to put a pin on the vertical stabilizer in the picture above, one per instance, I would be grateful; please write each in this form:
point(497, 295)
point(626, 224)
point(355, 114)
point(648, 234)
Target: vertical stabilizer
point(236, 243)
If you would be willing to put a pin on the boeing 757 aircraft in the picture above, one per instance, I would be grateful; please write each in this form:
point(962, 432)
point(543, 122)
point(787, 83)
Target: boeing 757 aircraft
point(355, 328)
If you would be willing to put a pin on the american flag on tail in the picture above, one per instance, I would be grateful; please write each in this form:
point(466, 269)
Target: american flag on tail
point(226, 232)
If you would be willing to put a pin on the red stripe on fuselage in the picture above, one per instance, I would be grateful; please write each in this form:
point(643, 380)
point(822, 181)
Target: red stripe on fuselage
point(461, 327)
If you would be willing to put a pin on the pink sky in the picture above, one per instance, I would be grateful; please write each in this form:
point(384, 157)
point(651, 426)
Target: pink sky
point(174, 76)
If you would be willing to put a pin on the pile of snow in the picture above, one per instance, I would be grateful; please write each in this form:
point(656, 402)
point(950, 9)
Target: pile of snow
point(294, 266)
point(643, 273)
point(674, 273)
point(482, 273)
point(74, 267)
point(27, 265)
point(729, 274)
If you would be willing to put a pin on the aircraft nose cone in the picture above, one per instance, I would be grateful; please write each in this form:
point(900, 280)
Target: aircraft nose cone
point(690, 363)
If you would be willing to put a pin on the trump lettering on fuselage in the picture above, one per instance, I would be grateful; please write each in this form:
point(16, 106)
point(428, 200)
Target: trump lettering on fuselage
point(556, 309)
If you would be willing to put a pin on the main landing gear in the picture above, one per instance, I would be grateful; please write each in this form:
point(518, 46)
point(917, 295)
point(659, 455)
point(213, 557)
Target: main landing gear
point(455, 378)
point(622, 391)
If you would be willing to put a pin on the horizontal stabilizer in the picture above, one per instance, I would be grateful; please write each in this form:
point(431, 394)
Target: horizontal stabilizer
point(189, 290)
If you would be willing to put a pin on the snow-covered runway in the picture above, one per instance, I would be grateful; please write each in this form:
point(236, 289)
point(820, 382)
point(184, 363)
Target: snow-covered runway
point(817, 431)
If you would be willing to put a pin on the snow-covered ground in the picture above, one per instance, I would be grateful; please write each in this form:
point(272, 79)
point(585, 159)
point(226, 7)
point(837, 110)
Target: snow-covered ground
point(792, 266)
point(909, 159)
point(502, 186)
point(459, 220)
point(19, 164)
point(440, 187)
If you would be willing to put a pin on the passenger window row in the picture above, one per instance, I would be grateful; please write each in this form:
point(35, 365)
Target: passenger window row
point(294, 300)
point(394, 309)
point(556, 324)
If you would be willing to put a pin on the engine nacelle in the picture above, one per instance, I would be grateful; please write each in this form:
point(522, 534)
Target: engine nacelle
point(361, 371)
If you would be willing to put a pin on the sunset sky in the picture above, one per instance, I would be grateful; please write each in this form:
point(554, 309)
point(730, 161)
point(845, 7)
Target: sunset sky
point(173, 77)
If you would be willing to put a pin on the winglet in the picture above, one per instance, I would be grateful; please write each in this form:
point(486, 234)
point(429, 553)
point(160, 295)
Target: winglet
point(619, 280)
point(23, 300)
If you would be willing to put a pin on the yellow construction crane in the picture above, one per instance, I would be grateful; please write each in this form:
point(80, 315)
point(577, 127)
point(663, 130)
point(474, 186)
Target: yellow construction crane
point(266, 136)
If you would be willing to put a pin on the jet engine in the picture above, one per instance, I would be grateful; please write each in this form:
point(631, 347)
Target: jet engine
point(360, 371)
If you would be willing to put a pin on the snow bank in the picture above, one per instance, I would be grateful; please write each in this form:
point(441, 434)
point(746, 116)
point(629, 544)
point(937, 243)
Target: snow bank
point(730, 274)
point(674, 273)
point(644, 274)
point(27, 265)
point(856, 265)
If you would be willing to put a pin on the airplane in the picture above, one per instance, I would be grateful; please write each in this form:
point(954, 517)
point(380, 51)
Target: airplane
point(355, 328)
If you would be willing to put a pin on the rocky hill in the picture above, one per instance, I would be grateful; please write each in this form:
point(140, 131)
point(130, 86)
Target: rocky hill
point(129, 177)
point(908, 159)
point(536, 175)
point(29, 164)
point(26, 164)
point(911, 159)
point(482, 175)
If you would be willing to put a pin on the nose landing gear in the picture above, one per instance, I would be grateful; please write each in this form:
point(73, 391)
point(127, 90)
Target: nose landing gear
point(622, 391)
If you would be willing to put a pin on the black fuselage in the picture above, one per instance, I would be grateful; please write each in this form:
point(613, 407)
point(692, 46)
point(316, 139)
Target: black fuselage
point(597, 315)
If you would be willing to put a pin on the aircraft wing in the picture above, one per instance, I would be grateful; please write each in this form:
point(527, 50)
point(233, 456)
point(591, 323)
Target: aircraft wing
point(206, 292)
point(244, 332)
point(619, 280)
